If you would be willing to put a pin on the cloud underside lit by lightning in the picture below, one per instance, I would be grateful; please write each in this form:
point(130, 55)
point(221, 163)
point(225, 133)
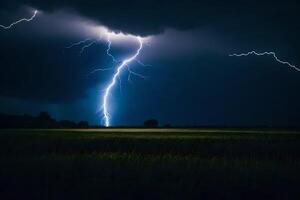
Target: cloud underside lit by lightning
point(19, 21)
point(120, 65)
point(267, 53)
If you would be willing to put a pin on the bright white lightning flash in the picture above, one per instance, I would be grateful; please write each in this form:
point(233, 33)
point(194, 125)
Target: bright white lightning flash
point(77, 43)
point(108, 49)
point(267, 53)
point(20, 21)
point(114, 79)
point(109, 37)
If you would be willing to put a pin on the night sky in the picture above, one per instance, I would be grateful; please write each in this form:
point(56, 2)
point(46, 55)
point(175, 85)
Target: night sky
point(191, 81)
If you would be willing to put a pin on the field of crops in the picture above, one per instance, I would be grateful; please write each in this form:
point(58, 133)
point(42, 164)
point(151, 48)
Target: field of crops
point(149, 164)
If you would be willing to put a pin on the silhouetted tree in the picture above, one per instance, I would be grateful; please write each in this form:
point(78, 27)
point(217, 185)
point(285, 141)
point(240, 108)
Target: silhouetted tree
point(151, 123)
point(167, 126)
point(83, 124)
point(44, 116)
point(44, 120)
point(67, 124)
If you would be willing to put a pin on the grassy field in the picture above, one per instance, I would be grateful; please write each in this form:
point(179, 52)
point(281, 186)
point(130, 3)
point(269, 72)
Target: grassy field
point(149, 164)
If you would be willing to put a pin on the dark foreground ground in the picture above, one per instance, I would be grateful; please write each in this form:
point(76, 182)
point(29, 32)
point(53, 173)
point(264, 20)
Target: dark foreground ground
point(149, 164)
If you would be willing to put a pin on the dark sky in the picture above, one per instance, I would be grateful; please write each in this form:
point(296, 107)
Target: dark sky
point(191, 80)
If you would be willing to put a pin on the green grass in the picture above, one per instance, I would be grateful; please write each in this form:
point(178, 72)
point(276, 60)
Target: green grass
point(149, 164)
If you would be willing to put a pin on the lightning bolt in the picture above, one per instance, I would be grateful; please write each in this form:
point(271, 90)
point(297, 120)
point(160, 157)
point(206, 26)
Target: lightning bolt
point(77, 43)
point(267, 53)
point(20, 21)
point(108, 49)
point(120, 64)
point(87, 46)
point(84, 44)
point(116, 75)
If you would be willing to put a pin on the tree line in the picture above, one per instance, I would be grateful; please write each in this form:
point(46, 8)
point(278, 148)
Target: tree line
point(44, 120)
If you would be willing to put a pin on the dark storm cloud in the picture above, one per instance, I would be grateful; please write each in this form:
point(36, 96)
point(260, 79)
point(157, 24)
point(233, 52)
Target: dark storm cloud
point(190, 48)
point(35, 65)
point(39, 68)
point(152, 17)
point(243, 25)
